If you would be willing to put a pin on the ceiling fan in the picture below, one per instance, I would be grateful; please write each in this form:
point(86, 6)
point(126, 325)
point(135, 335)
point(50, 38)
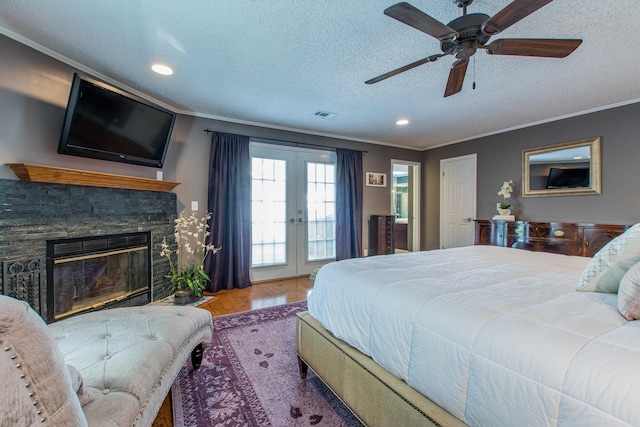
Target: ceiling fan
point(464, 35)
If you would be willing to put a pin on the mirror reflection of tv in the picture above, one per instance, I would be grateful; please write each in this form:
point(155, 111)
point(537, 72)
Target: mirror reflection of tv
point(568, 178)
point(104, 123)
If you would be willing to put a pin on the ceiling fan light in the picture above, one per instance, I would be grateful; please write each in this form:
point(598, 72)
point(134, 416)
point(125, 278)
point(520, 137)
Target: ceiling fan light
point(490, 29)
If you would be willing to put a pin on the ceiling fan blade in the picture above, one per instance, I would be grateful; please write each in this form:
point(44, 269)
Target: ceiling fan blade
point(403, 69)
point(514, 12)
point(548, 48)
point(419, 20)
point(456, 77)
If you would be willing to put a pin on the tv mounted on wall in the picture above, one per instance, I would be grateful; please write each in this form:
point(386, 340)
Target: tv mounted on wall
point(102, 122)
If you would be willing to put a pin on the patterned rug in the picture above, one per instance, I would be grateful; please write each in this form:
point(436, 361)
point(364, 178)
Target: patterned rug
point(249, 377)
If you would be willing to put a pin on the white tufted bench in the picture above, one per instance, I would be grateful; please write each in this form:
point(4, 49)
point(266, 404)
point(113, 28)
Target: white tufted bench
point(127, 357)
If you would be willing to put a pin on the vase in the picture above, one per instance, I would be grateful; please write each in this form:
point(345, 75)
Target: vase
point(184, 297)
point(504, 212)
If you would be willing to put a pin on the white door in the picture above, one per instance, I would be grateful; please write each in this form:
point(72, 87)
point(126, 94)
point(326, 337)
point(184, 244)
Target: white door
point(457, 201)
point(293, 211)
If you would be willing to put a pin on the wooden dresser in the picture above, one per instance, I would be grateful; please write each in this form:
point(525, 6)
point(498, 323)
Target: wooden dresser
point(400, 237)
point(381, 235)
point(558, 237)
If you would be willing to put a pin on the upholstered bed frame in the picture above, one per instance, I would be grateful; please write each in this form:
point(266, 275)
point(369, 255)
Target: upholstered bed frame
point(373, 394)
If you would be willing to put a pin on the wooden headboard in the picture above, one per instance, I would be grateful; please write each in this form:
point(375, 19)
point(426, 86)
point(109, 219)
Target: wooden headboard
point(581, 239)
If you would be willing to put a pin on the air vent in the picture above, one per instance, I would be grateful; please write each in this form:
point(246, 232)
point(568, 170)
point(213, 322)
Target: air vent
point(324, 114)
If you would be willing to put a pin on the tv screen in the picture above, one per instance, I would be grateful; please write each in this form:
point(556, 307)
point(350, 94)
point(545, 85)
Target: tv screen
point(104, 123)
point(568, 178)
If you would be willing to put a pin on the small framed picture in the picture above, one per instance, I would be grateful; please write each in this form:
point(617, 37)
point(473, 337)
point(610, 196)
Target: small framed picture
point(374, 179)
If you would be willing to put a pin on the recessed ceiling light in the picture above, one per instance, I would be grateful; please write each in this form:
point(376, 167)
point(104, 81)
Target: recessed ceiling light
point(162, 69)
point(402, 122)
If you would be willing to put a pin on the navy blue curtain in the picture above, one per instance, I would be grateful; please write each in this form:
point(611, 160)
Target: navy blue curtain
point(230, 207)
point(349, 189)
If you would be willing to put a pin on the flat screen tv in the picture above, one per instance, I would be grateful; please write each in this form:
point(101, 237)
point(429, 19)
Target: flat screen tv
point(104, 123)
point(568, 178)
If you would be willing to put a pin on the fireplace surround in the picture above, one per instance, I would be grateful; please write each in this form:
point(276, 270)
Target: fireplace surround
point(32, 213)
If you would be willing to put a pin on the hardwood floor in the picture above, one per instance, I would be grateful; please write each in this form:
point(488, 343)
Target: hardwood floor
point(259, 295)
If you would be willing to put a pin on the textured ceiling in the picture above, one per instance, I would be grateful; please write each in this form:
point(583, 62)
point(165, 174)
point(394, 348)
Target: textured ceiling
point(274, 63)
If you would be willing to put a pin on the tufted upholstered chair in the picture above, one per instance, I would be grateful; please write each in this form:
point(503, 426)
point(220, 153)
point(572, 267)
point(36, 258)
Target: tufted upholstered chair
point(105, 368)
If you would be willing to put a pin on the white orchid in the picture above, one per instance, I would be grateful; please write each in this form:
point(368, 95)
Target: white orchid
point(190, 235)
point(211, 248)
point(505, 192)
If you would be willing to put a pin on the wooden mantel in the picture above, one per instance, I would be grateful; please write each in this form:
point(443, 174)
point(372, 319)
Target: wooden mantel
point(56, 175)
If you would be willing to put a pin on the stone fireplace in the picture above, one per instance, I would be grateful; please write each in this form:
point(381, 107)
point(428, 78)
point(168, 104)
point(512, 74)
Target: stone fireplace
point(34, 213)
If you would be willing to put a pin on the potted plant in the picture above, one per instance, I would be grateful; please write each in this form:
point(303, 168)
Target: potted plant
point(505, 192)
point(187, 275)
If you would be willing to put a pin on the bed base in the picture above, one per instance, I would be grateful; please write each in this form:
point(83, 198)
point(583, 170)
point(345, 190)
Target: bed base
point(375, 396)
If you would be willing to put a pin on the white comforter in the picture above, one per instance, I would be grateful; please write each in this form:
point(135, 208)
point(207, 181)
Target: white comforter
point(496, 336)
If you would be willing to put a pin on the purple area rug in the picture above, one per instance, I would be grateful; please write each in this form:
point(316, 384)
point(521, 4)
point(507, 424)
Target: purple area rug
point(249, 377)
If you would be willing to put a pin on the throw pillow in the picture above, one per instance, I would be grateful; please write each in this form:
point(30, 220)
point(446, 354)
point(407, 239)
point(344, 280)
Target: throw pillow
point(35, 383)
point(606, 268)
point(629, 294)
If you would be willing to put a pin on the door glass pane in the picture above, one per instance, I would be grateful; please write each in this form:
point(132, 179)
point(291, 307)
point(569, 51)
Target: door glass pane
point(268, 217)
point(321, 214)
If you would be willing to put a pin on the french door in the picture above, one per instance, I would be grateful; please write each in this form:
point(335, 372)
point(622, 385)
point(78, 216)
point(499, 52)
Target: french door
point(293, 211)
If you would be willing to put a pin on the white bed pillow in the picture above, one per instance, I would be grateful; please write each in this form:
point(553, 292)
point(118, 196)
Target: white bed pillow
point(629, 294)
point(609, 265)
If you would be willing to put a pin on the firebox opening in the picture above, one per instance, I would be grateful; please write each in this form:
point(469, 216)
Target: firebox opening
point(91, 273)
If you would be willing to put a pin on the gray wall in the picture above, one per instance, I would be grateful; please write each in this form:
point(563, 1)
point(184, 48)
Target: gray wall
point(34, 89)
point(500, 159)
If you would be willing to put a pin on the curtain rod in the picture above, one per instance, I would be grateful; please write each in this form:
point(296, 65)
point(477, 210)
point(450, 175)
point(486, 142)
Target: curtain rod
point(296, 144)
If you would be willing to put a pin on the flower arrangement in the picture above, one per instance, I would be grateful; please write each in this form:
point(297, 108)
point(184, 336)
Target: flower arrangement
point(190, 233)
point(505, 192)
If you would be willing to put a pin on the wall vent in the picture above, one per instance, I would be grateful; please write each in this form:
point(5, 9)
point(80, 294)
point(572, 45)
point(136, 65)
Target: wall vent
point(324, 114)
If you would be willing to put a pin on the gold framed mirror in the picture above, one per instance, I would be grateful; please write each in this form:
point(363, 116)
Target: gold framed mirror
point(567, 169)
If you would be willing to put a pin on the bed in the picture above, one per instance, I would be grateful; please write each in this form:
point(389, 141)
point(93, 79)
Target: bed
point(480, 335)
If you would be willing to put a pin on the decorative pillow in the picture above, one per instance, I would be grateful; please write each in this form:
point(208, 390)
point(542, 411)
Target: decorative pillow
point(77, 383)
point(35, 383)
point(629, 294)
point(606, 268)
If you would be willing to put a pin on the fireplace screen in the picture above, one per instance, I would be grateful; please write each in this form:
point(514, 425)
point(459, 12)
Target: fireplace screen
point(97, 272)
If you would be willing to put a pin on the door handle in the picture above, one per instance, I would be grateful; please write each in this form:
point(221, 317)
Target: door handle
point(301, 220)
point(467, 220)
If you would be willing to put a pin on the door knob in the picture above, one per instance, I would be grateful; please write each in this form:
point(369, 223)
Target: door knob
point(467, 220)
point(301, 220)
